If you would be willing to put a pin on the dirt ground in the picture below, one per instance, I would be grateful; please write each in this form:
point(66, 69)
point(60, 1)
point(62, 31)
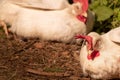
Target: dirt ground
point(34, 59)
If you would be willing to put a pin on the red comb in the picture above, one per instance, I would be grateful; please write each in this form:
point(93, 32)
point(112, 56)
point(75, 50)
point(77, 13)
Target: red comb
point(84, 3)
point(88, 39)
point(95, 53)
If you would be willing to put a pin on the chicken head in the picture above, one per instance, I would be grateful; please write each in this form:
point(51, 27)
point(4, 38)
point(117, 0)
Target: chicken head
point(104, 62)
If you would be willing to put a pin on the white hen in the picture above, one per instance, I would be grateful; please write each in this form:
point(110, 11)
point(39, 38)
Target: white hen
point(60, 25)
point(100, 58)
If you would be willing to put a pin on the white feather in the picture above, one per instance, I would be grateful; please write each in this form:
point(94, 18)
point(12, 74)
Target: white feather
point(114, 35)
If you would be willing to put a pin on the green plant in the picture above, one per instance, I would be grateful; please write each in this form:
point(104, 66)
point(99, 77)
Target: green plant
point(107, 14)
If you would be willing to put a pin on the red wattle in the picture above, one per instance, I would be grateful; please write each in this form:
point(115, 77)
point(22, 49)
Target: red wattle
point(82, 18)
point(93, 55)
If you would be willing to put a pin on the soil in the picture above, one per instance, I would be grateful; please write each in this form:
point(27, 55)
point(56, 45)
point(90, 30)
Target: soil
point(34, 59)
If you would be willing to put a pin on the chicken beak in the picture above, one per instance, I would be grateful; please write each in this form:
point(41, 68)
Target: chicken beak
point(84, 14)
point(89, 54)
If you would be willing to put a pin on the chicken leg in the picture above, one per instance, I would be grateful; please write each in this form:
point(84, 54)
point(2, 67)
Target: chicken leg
point(3, 24)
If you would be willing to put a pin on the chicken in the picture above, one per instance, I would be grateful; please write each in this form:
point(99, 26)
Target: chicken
point(60, 25)
point(100, 55)
point(9, 9)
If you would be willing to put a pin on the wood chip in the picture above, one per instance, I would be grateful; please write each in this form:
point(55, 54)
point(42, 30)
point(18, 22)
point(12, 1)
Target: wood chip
point(47, 73)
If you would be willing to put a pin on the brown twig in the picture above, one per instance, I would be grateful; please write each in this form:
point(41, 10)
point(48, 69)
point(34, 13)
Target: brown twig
point(3, 67)
point(47, 73)
point(13, 75)
point(25, 47)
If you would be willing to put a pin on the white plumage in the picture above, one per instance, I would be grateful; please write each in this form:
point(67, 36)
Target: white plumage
point(10, 9)
point(59, 25)
point(107, 64)
point(43, 4)
point(29, 19)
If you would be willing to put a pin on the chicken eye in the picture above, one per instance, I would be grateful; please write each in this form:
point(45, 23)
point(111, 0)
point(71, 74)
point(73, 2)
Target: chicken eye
point(77, 7)
point(98, 44)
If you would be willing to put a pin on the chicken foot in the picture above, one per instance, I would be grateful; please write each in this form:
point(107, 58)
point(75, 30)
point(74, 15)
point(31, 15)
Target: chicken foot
point(4, 26)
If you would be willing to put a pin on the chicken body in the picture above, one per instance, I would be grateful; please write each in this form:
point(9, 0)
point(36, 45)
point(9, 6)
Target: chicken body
point(107, 64)
point(59, 25)
point(10, 9)
point(28, 20)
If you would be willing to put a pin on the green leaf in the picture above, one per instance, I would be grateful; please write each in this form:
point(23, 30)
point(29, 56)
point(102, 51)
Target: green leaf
point(103, 2)
point(103, 13)
point(119, 16)
point(94, 4)
point(116, 10)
